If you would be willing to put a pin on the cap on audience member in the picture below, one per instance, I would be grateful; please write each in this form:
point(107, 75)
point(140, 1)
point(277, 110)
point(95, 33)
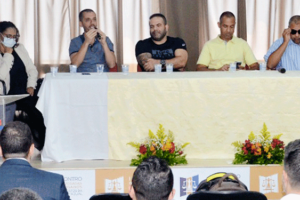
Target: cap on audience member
point(20, 194)
point(152, 180)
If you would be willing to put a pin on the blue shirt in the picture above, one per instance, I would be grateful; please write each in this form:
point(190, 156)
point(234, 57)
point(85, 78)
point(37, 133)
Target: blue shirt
point(94, 55)
point(290, 59)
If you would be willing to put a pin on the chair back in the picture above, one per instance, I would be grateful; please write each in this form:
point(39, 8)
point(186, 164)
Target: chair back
point(111, 196)
point(227, 195)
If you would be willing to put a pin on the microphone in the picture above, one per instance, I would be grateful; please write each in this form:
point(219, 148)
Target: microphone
point(98, 36)
point(281, 70)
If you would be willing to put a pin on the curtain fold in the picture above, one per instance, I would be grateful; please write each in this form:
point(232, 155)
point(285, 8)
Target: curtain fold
point(242, 22)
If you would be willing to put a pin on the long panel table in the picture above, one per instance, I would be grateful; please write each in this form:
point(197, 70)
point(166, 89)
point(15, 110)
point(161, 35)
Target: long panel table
point(208, 109)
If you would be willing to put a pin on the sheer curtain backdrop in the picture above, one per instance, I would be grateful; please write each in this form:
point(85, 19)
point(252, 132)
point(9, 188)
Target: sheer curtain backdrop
point(47, 26)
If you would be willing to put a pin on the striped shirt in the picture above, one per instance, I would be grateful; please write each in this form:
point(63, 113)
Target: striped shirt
point(290, 59)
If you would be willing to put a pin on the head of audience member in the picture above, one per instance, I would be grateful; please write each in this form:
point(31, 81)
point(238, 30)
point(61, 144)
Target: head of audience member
point(20, 194)
point(9, 31)
point(294, 25)
point(291, 171)
point(158, 27)
point(152, 180)
point(16, 141)
point(226, 25)
point(87, 19)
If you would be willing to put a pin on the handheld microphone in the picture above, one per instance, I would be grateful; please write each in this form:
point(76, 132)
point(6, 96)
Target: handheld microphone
point(281, 70)
point(98, 36)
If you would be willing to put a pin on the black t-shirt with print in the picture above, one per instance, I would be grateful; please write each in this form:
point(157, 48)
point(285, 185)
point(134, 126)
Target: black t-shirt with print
point(164, 51)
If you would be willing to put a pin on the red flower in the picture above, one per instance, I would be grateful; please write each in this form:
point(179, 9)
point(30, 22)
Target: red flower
point(172, 148)
point(180, 152)
point(143, 149)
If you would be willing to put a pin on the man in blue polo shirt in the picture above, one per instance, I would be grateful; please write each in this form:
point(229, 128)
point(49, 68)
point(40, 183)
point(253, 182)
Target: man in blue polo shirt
point(92, 47)
point(284, 52)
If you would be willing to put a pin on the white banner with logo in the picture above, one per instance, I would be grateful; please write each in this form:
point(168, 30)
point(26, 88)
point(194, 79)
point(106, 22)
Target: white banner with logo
point(80, 183)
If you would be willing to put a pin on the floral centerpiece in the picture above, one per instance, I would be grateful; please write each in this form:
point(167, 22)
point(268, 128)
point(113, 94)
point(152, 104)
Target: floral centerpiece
point(161, 145)
point(259, 149)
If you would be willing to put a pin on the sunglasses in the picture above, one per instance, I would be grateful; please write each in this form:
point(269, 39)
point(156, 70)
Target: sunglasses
point(293, 32)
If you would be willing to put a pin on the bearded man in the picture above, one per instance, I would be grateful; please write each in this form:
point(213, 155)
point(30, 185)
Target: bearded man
point(160, 48)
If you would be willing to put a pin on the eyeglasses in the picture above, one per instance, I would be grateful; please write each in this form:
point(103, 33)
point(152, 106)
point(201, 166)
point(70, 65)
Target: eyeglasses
point(293, 32)
point(11, 36)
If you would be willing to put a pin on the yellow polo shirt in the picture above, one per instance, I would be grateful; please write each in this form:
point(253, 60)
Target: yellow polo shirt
point(217, 53)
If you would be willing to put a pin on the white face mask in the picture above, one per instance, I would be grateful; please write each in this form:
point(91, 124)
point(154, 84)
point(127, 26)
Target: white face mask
point(8, 42)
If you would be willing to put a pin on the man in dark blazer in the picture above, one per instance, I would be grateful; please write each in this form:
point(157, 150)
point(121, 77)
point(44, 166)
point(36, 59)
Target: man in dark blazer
point(16, 148)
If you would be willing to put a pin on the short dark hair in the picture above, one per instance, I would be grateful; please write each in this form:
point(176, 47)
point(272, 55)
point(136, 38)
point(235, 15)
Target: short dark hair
point(7, 24)
point(292, 163)
point(295, 19)
point(83, 11)
point(152, 180)
point(20, 194)
point(226, 14)
point(159, 15)
point(15, 140)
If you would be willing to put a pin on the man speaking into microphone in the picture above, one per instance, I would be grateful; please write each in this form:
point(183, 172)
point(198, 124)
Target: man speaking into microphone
point(92, 47)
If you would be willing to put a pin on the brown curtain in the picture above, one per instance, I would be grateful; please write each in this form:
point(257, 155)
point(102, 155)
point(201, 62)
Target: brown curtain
point(187, 20)
point(241, 20)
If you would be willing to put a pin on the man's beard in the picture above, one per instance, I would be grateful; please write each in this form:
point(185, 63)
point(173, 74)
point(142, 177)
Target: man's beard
point(163, 34)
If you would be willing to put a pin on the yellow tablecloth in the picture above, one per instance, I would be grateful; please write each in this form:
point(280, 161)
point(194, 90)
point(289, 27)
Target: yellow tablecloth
point(208, 109)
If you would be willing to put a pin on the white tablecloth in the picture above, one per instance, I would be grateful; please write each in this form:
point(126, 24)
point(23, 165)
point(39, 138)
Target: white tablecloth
point(208, 109)
point(74, 107)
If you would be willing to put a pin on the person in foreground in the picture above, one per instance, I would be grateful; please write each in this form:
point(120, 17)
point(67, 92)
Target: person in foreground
point(217, 54)
point(291, 169)
point(152, 180)
point(16, 149)
point(20, 194)
point(93, 47)
point(160, 48)
point(284, 52)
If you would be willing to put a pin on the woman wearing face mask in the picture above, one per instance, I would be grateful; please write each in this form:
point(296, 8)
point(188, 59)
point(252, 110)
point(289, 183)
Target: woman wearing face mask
point(19, 73)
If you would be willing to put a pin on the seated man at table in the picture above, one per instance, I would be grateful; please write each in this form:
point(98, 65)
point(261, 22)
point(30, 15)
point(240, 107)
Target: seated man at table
point(218, 53)
point(152, 179)
point(16, 148)
point(284, 52)
point(92, 47)
point(160, 48)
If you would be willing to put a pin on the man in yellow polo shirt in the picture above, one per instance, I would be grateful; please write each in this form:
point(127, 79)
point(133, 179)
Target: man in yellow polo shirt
point(217, 54)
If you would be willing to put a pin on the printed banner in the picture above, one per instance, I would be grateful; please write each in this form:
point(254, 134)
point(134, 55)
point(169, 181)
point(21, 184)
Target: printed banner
point(80, 183)
point(267, 180)
point(113, 180)
point(186, 180)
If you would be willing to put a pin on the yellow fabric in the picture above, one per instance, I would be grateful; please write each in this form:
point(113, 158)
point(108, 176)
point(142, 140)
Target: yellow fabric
point(209, 110)
point(216, 53)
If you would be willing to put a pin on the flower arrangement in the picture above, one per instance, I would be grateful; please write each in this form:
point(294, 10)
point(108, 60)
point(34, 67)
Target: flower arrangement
point(259, 149)
point(160, 145)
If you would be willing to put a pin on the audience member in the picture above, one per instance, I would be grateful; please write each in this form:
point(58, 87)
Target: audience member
point(284, 52)
point(291, 175)
point(20, 194)
point(218, 53)
point(16, 148)
point(152, 180)
point(92, 47)
point(160, 48)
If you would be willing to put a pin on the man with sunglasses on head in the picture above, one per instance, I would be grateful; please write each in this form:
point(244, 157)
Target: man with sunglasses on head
point(284, 52)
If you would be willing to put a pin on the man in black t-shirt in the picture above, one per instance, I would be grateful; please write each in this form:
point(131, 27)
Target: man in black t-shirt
point(160, 48)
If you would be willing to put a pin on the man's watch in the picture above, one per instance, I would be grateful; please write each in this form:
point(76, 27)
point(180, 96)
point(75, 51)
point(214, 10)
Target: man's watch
point(163, 63)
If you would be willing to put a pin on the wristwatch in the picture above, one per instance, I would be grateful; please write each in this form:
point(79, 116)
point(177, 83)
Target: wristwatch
point(163, 62)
